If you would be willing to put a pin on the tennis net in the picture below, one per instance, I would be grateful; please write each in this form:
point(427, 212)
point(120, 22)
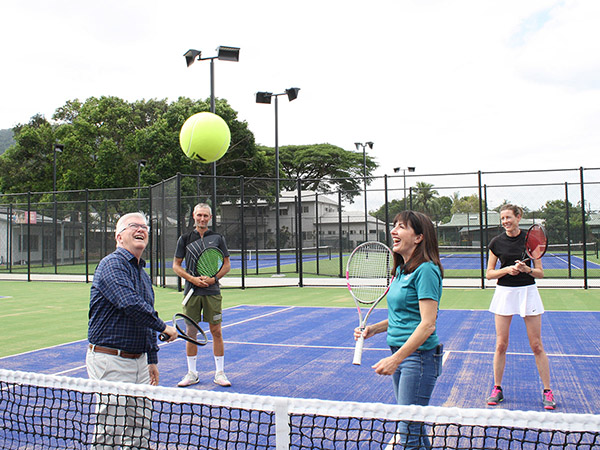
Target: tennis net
point(50, 412)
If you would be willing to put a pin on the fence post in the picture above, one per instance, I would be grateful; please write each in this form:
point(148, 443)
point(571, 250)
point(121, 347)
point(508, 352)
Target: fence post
point(387, 210)
point(179, 228)
point(9, 235)
point(243, 230)
point(583, 236)
point(150, 237)
point(299, 230)
point(485, 211)
point(86, 235)
point(28, 235)
point(341, 241)
point(163, 234)
point(567, 217)
point(54, 225)
point(481, 254)
point(317, 237)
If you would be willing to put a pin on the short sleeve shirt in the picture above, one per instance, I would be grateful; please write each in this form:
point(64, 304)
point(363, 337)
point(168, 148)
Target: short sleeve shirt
point(192, 243)
point(403, 303)
point(509, 249)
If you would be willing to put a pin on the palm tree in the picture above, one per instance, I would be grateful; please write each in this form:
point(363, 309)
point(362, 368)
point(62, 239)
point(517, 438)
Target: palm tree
point(424, 195)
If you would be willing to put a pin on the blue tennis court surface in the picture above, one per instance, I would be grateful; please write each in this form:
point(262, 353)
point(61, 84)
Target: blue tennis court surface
point(306, 352)
point(554, 261)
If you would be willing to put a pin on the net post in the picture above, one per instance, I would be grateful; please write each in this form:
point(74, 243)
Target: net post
point(282, 426)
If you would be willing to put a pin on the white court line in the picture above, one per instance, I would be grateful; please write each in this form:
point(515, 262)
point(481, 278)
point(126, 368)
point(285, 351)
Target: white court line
point(69, 370)
point(259, 317)
point(164, 343)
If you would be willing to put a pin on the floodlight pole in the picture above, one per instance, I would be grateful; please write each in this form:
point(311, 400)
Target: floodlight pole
point(225, 54)
point(364, 146)
point(141, 163)
point(265, 97)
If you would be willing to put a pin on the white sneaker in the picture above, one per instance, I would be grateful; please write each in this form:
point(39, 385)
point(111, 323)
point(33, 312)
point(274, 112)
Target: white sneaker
point(221, 379)
point(189, 379)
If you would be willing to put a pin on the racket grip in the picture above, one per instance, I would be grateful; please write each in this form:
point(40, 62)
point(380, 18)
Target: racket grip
point(358, 348)
point(187, 297)
point(163, 337)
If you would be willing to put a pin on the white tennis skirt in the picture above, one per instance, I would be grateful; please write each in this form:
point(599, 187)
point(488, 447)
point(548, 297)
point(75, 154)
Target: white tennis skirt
point(521, 300)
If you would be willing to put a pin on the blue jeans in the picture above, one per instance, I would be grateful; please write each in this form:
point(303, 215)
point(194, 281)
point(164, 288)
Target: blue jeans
point(414, 381)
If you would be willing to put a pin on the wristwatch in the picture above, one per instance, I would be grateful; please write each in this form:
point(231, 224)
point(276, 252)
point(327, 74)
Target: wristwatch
point(216, 279)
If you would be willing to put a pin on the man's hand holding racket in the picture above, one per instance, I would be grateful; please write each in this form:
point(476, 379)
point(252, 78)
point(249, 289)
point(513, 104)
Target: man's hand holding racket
point(169, 332)
point(185, 328)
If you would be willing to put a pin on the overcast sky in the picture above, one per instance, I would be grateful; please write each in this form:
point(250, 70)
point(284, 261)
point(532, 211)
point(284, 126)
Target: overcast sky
point(444, 86)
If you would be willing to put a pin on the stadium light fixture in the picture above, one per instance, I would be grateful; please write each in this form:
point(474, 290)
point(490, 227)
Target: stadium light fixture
point(398, 169)
point(364, 146)
point(224, 53)
point(265, 98)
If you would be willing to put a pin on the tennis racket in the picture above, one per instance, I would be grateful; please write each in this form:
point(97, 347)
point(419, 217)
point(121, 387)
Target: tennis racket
point(536, 243)
point(187, 329)
point(208, 263)
point(368, 277)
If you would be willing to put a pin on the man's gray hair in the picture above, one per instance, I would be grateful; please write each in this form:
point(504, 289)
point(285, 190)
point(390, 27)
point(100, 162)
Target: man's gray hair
point(121, 222)
point(203, 205)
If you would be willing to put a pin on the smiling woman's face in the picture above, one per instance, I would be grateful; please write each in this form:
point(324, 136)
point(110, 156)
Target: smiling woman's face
point(405, 240)
point(510, 222)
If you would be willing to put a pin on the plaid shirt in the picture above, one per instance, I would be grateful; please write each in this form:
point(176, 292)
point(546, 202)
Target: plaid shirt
point(122, 314)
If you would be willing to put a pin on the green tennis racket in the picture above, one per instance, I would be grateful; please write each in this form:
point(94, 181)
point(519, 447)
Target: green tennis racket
point(208, 264)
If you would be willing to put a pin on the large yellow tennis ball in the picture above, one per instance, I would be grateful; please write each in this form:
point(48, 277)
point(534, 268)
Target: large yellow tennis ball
point(204, 137)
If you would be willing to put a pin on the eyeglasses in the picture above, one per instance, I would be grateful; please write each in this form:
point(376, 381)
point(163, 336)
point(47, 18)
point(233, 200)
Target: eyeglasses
point(135, 227)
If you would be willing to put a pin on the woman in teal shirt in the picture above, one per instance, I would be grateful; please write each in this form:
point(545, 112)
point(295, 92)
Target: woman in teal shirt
point(413, 302)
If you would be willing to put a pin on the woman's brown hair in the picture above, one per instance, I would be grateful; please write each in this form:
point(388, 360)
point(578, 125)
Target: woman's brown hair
point(426, 250)
point(516, 210)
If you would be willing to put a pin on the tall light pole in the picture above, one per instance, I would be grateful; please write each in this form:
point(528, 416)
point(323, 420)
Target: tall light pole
point(58, 148)
point(141, 163)
point(358, 147)
point(398, 169)
point(224, 54)
point(265, 97)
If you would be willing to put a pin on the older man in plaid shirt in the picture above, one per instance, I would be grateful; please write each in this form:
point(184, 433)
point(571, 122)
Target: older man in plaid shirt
point(122, 335)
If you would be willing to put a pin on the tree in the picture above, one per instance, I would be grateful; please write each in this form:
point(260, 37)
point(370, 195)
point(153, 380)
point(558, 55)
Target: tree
point(104, 138)
point(423, 197)
point(442, 207)
point(467, 204)
point(28, 165)
point(394, 207)
point(322, 168)
point(554, 213)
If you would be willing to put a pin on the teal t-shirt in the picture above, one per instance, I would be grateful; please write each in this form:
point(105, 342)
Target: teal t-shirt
point(403, 303)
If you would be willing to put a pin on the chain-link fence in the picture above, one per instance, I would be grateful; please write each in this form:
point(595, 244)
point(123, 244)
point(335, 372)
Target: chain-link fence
point(305, 236)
